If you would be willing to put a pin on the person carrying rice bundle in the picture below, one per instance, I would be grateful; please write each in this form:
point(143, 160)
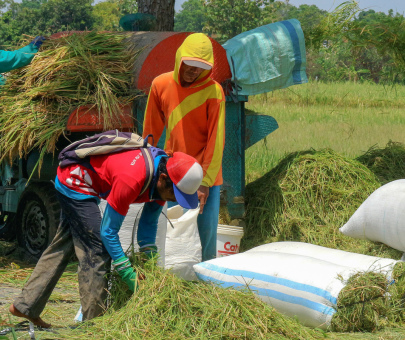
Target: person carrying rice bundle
point(11, 60)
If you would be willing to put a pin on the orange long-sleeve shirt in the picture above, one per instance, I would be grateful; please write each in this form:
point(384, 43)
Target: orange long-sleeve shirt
point(194, 116)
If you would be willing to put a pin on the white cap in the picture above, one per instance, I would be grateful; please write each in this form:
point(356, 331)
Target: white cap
point(196, 63)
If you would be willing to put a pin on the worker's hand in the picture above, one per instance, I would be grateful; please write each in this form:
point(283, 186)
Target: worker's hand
point(203, 193)
point(37, 42)
point(124, 269)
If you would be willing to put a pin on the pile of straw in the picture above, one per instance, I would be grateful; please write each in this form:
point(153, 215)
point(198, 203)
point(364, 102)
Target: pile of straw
point(369, 302)
point(387, 163)
point(307, 197)
point(363, 304)
point(168, 307)
point(396, 290)
point(89, 68)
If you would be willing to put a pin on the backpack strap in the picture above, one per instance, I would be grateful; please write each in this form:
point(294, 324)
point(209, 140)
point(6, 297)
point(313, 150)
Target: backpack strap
point(150, 168)
point(106, 143)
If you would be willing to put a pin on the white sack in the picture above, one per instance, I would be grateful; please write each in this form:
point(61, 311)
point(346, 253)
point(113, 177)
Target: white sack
point(183, 246)
point(360, 263)
point(297, 285)
point(381, 217)
point(127, 233)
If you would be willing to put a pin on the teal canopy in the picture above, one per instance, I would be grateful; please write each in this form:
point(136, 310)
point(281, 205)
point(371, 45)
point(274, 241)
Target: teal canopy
point(267, 58)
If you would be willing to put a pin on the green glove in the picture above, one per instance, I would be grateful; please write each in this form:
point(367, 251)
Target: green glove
point(126, 272)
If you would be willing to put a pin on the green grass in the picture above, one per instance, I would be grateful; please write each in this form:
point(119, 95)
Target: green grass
point(346, 117)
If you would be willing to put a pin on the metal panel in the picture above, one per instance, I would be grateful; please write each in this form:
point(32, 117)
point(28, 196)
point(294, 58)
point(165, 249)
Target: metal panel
point(258, 127)
point(233, 163)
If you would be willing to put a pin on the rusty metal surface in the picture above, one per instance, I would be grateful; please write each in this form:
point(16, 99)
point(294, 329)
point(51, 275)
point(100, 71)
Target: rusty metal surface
point(146, 42)
point(88, 118)
point(158, 56)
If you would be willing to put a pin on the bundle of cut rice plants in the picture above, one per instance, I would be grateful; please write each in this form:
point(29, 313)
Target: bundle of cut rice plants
point(369, 302)
point(396, 291)
point(307, 197)
point(87, 69)
point(119, 293)
point(363, 304)
point(387, 163)
point(168, 307)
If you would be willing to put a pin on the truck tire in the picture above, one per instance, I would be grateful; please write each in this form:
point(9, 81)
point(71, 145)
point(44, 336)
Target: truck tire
point(7, 226)
point(37, 218)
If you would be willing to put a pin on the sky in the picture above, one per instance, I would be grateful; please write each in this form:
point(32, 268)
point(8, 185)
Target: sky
point(377, 5)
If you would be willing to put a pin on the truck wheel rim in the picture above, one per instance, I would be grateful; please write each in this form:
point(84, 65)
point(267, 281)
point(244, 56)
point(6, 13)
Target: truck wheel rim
point(35, 229)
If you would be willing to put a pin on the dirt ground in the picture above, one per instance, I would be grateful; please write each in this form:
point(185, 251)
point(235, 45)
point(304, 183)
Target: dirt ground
point(15, 269)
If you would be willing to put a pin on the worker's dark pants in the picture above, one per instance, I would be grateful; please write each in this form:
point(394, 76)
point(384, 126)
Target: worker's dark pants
point(79, 232)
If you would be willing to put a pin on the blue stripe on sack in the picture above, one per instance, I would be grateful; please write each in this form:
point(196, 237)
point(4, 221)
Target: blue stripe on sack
point(271, 279)
point(297, 51)
point(273, 294)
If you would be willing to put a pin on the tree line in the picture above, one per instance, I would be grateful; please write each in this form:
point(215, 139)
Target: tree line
point(45, 17)
point(346, 44)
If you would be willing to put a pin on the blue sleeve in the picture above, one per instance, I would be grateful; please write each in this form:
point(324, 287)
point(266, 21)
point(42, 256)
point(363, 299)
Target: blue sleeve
point(10, 60)
point(110, 226)
point(148, 223)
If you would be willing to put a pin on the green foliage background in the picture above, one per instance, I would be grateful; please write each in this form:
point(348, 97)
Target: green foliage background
point(348, 44)
point(45, 17)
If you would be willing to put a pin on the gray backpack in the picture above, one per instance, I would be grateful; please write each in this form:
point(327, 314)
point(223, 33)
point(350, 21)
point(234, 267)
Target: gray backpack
point(110, 142)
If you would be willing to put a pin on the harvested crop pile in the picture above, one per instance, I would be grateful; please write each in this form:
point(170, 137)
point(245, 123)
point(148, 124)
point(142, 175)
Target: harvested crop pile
point(388, 163)
point(363, 304)
point(89, 68)
point(369, 302)
point(307, 197)
point(396, 290)
point(167, 307)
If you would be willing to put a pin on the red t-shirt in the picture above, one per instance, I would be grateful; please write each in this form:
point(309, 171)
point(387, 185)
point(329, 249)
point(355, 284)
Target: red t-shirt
point(118, 178)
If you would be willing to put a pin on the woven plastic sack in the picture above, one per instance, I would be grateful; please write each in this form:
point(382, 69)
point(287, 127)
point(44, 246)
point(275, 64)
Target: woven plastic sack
point(304, 283)
point(183, 246)
point(359, 262)
point(381, 217)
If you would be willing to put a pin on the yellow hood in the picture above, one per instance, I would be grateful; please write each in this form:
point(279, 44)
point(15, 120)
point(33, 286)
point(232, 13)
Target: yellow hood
point(198, 47)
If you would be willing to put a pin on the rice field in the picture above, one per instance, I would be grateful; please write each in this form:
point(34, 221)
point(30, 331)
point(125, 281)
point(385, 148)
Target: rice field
point(353, 122)
point(348, 118)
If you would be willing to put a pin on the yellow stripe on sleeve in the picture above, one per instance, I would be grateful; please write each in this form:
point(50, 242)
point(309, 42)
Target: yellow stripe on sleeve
point(216, 160)
point(189, 104)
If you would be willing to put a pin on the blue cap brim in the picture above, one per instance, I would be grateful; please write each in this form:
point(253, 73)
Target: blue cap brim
point(185, 200)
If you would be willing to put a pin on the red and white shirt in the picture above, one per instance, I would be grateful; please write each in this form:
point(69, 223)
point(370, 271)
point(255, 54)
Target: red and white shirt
point(118, 178)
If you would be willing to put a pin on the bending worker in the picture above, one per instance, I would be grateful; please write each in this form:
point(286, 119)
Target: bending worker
point(121, 179)
point(10, 60)
point(192, 108)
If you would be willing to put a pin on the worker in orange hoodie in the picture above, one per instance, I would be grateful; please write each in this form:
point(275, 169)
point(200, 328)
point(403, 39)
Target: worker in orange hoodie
point(191, 106)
